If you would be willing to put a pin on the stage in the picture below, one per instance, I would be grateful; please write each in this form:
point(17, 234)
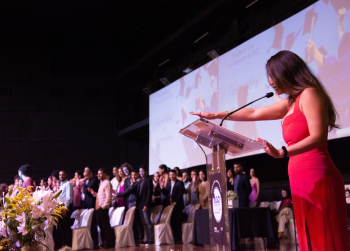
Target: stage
point(254, 244)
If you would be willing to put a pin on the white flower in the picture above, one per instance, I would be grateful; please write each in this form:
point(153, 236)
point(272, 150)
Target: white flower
point(22, 229)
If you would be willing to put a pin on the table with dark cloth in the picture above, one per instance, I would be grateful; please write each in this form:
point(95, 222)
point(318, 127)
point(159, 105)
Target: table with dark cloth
point(243, 223)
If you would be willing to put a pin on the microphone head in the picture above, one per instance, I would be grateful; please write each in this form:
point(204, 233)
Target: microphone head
point(269, 94)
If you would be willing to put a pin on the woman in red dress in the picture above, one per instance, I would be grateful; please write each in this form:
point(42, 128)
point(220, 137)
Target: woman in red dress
point(317, 186)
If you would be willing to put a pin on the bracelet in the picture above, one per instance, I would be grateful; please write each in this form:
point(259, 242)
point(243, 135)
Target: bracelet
point(285, 151)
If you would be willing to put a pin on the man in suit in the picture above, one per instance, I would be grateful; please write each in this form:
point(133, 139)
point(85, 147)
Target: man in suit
point(242, 185)
point(131, 194)
point(90, 201)
point(174, 196)
point(143, 190)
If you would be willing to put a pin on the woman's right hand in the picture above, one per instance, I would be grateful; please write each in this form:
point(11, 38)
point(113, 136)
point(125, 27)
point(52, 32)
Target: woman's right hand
point(205, 115)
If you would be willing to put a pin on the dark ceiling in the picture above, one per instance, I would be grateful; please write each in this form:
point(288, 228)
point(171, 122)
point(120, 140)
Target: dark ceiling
point(128, 40)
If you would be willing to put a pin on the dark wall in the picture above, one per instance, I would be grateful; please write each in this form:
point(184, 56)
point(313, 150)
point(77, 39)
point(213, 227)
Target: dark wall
point(56, 121)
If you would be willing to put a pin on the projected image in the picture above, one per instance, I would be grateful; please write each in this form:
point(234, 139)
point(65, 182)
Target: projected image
point(333, 60)
point(170, 107)
point(320, 35)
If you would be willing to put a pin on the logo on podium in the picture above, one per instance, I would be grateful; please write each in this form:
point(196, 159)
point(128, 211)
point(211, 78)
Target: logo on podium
point(217, 204)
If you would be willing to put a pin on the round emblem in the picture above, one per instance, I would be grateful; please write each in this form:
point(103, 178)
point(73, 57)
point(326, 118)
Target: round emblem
point(217, 205)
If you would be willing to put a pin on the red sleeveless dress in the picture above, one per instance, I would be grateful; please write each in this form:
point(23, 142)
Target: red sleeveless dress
point(318, 191)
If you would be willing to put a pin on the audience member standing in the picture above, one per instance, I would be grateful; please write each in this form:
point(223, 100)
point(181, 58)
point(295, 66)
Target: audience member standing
point(66, 197)
point(27, 181)
point(43, 184)
point(49, 184)
point(103, 202)
point(90, 201)
point(144, 202)
point(156, 190)
point(127, 169)
point(115, 184)
point(77, 183)
point(178, 173)
point(242, 185)
point(132, 194)
point(120, 202)
point(193, 189)
point(203, 190)
point(143, 190)
point(55, 181)
point(163, 181)
point(230, 179)
point(254, 197)
point(187, 182)
point(17, 180)
point(174, 196)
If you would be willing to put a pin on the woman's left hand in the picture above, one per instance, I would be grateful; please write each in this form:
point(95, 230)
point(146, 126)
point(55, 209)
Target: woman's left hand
point(271, 150)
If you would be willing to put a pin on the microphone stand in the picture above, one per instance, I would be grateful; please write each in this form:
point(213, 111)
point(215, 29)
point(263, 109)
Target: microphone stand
point(268, 95)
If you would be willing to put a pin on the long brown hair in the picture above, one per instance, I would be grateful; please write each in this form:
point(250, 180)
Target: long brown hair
point(291, 74)
point(118, 177)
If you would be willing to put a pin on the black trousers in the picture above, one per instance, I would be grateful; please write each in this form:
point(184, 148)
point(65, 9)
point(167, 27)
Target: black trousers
point(107, 235)
point(176, 223)
point(63, 234)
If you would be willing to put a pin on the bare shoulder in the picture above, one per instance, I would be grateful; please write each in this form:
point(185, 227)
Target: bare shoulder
point(310, 96)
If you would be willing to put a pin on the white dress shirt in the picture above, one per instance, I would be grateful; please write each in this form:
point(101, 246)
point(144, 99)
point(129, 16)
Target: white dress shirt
point(172, 186)
point(115, 184)
point(67, 193)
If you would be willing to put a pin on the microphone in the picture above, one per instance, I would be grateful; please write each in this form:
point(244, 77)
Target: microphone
point(268, 95)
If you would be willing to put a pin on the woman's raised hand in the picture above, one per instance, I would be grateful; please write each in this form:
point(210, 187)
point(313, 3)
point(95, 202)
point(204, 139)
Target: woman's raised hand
point(271, 150)
point(205, 115)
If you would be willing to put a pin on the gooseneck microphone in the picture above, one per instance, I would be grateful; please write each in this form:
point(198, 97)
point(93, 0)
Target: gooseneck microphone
point(268, 95)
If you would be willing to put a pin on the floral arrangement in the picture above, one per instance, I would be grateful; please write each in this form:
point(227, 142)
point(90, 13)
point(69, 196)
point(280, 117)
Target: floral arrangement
point(232, 195)
point(25, 216)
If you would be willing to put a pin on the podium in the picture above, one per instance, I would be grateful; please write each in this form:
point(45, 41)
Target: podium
point(222, 141)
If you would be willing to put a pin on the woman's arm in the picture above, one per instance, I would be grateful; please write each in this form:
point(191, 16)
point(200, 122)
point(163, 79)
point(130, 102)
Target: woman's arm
point(272, 112)
point(312, 106)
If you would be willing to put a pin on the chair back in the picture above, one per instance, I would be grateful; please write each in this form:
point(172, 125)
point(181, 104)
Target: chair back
point(110, 211)
point(87, 218)
point(166, 214)
point(116, 218)
point(129, 218)
point(156, 213)
point(77, 215)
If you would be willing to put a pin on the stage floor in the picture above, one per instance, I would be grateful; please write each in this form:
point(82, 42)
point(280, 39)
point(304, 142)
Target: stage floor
point(254, 244)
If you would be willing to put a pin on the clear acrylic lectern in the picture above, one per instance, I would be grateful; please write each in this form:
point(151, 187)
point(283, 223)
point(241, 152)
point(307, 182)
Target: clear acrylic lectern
point(222, 141)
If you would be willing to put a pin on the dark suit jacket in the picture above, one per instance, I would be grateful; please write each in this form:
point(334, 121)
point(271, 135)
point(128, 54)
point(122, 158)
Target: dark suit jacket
point(244, 189)
point(90, 200)
point(143, 190)
point(177, 194)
